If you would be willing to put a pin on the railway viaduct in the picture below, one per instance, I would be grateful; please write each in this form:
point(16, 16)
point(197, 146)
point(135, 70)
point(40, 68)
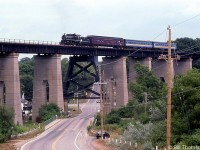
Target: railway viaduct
point(47, 70)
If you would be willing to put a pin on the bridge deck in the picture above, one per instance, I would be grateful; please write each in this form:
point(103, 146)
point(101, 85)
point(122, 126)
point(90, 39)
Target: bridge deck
point(32, 47)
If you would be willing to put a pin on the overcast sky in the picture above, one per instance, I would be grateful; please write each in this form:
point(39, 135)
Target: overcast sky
point(132, 19)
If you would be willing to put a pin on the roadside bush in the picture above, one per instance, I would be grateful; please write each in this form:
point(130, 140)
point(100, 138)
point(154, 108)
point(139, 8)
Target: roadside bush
point(4, 137)
point(193, 139)
point(138, 132)
point(144, 118)
point(6, 122)
point(124, 123)
point(18, 129)
point(125, 112)
point(113, 118)
point(48, 111)
point(158, 134)
point(97, 118)
point(89, 128)
point(113, 128)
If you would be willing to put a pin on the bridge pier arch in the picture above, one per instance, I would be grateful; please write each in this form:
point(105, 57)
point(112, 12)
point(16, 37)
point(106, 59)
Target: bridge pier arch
point(10, 85)
point(47, 83)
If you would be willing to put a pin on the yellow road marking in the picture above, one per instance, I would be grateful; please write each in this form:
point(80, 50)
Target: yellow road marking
point(57, 139)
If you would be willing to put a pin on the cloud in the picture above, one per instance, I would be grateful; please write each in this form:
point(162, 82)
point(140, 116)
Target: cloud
point(133, 19)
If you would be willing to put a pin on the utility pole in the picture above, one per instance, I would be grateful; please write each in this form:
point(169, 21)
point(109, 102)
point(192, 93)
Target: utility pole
point(105, 104)
point(169, 86)
point(101, 100)
point(169, 104)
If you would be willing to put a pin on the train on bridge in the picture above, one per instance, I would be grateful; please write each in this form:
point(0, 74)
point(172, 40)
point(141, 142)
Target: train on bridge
point(115, 42)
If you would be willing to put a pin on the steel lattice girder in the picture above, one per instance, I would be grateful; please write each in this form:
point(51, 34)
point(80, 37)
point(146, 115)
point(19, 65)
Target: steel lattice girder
point(71, 76)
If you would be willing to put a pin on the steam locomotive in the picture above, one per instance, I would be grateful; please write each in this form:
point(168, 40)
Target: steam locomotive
point(114, 42)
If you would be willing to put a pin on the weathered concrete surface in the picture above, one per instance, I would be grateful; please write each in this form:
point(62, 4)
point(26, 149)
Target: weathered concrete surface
point(131, 65)
point(132, 73)
point(182, 66)
point(115, 74)
point(9, 76)
point(160, 68)
point(47, 69)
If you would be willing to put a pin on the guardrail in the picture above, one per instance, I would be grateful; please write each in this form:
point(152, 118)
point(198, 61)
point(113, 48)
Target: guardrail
point(50, 120)
point(4, 40)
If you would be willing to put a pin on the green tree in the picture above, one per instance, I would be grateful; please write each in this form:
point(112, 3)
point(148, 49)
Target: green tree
point(48, 111)
point(64, 66)
point(185, 43)
point(27, 86)
point(189, 45)
point(6, 122)
point(186, 107)
point(26, 69)
point(113, 117)
point(151, 121)
point(146, 82)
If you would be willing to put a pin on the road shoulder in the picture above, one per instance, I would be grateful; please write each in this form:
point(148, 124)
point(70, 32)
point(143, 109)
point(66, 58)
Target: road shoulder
point(100, 145)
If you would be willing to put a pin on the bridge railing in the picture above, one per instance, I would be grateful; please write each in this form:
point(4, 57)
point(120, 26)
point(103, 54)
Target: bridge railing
point(4, 40)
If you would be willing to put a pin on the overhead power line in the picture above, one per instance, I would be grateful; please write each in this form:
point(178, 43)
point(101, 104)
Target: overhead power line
point(177, 24)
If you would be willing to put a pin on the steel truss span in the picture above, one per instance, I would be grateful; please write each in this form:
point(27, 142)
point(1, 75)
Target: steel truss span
point(73, 72)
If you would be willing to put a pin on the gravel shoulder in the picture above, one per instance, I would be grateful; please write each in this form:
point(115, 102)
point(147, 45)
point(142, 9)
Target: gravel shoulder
point(100, 145)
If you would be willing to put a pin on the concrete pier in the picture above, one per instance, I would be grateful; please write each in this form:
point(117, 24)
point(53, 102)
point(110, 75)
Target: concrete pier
point(143, 61)
point(132, 73)
point(182, 66)
point(10, 85)
point(115, 74)
point(47, 83)
point(1, 92)
point(160, 68)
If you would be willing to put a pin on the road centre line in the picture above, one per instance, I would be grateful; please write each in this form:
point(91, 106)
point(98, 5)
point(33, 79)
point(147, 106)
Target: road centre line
point(59, 137)
point(76, 139)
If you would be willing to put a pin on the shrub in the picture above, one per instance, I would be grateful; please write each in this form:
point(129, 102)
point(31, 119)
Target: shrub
point(193, 139)
point(113, 118)
point(48, 111)
point(89, 128)
point(19, 129)
point(98, 119)
point(158, 134)
point(113, 128)
point(144, 118)
point(6, 122)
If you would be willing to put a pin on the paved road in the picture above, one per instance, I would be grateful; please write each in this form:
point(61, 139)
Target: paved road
point(68, 134)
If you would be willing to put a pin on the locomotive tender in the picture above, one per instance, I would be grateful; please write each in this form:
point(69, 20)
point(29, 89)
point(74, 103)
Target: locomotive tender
point(115, 42)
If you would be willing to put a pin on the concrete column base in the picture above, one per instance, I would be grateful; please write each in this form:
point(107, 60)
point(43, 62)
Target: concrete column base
point(144, 61)
point(132, 73)
point(182, 66)
point(115, 74)
point(160, 68)
point(9, 77)
point(47, 70)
